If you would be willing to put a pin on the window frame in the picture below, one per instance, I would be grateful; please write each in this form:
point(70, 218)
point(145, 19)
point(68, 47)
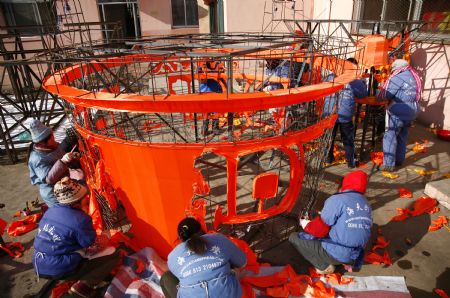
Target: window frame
point(28, 31)
point(185, 16)
point(415, 12)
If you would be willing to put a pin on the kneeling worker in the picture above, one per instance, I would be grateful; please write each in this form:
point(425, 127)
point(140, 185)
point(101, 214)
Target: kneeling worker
point(63, 232)
point(201, 266)
point(339, 234)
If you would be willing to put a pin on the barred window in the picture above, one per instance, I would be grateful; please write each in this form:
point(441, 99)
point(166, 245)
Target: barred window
point(437, 12)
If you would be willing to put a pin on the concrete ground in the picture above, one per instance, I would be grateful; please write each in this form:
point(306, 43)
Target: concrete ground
point(423, 259)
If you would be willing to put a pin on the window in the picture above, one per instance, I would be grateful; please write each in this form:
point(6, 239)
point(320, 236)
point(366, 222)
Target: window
point(27, 14)
point(437, 12)
point(184, 13)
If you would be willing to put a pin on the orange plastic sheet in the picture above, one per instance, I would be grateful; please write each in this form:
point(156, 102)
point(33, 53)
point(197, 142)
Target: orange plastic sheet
point(421, 205)
point(404, 193)
point(438, 223)
point(372, 257)
point(377, 158)
point(61, 289)
point(25, 225)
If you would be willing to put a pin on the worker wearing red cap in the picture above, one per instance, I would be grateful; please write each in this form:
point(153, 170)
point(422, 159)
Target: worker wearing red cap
point(338, 235)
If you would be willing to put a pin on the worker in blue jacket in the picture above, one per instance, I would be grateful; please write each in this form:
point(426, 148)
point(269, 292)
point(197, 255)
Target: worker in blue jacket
point(47, 162)
point(346, 109)
point(64, 231)
point(202, 264)
point(403, 91)
point(339, 234)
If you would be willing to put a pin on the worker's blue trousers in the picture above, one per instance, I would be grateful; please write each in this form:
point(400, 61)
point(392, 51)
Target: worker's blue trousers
point(394, 141)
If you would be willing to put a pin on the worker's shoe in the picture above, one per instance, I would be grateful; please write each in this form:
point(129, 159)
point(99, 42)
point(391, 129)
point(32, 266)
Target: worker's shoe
point(82, 289)
point(355, 164)
point(386, 168)
point(328, 270)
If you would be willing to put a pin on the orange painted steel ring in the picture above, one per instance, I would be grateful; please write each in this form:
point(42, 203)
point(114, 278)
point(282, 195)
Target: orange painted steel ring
point(154, 180)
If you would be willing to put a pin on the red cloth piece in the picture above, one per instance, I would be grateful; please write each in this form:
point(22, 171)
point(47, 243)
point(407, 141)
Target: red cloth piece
point(13, 249)
point(376, 259)
point(421, 205)
point(140, 266)
point(317, 227)
point(381, 243)
point(403, 214)
point(438, 223)
point(441, 293)
point(377, 158)
point(62, 289)
point(356, 180)
point(280, 284)
point(25, 225)
point(333, 278)
point(372, 257)
point(3, 225)
point(404, 193)
point(321, 291)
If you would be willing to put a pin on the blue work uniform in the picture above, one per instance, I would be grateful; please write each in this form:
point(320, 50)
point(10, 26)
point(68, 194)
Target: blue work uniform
point(209, 274)
point(402, 110)
point(40, 163)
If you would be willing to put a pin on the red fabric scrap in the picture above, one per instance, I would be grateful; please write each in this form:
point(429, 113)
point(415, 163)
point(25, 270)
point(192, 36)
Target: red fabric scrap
point(333, 278)
point(377, 158)
point(438, 223)
point(140, 266)
point(25, 225)
point(380, 243)
point(281, 284)
point(372, 257)
point(421, 205)
point(3, 225)
point(62, 288)
point(376, 259)
point(404, 193)
point(13, 249)
point(441, 293)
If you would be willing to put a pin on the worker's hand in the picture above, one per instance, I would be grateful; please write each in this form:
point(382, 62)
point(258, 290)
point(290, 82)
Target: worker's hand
point(69, 157)
point(304, 222)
